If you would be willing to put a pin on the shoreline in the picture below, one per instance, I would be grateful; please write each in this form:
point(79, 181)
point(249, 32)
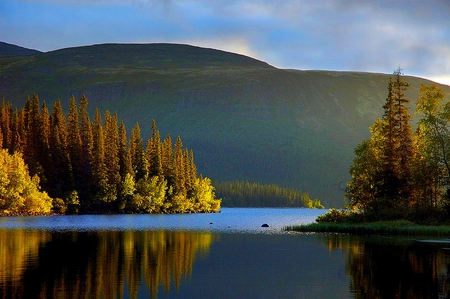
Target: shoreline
point(397, 228)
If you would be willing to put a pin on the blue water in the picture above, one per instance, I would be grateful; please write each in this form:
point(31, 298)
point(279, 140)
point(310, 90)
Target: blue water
point(224, 255)
point(230, 220)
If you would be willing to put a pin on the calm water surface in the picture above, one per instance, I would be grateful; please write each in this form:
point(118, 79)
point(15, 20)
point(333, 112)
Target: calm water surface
point(226, 255)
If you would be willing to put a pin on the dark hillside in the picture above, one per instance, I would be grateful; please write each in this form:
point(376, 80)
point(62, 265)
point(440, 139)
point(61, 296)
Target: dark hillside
point(8, 50)
point(244, 119)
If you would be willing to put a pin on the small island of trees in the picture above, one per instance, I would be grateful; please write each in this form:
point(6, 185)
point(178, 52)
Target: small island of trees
point(50, 163)
point(399, 174)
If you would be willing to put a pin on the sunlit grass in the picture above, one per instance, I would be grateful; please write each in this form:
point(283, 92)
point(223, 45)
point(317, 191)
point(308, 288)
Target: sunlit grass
point(399, 227)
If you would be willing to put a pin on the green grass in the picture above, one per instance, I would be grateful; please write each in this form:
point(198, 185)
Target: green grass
point(398, 228)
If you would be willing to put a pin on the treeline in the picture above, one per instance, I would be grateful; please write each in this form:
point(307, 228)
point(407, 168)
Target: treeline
point(246, 194)
point(398, 173)
point(92, 167)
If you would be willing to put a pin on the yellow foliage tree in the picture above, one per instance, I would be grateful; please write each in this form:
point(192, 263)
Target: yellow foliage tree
point(19, 193)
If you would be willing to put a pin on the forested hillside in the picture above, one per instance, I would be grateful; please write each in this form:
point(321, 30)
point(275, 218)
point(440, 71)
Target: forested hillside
point(244, 119)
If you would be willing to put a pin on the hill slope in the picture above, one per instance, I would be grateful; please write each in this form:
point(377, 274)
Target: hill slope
point(244, 119)
point(8, 50)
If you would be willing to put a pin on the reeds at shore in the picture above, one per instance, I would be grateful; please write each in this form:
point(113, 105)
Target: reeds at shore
point(398, 227)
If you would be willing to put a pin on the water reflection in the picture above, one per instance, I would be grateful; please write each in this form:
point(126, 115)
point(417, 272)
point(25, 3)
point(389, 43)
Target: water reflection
point(383, 267)
point(101, 264)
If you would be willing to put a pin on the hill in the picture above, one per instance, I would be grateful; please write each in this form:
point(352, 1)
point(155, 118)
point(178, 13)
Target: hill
point(8, 50)
point(244, 119)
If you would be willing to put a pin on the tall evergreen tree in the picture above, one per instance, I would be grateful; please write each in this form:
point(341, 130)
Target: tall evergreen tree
point(32, 134)
point(167, 159)
point(99, 171)
point(45, 157)
point(85, 129)
point(112, 154)
point(155, 152)
point(6, 113)
point(124, 157)
point(179, 169)
point(74, 142)
point(137, 154)
point(61, 177)
point(381, 172)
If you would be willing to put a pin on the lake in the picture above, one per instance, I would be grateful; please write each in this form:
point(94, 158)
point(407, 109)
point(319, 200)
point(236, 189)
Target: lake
point(225, 255)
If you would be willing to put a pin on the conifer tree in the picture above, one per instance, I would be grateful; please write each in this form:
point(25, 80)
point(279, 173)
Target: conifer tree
point(85, 129)
point(137, 154)
point(32, 134)
point(155, 152)
point(45, 156)
point(179, 169)
point(16, 140)
point(6, 117)
point(99, 171)
point(61, 177)
point(74, 142)
point(124, 157)
point(112, 153)
point(381, 173)
point(167, 159)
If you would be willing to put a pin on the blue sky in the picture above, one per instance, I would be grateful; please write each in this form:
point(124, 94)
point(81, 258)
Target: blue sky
point(344, 35)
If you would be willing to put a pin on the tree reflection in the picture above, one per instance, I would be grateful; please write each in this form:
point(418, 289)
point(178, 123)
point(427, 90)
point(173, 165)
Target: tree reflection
point(40, 264)
point(391, 268)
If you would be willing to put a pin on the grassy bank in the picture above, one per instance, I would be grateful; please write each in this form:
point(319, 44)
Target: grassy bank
point(398, 227)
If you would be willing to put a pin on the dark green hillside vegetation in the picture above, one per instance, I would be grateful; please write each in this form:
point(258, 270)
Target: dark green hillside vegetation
point(91, 166)
point(8, 50)
point(244, 119)
point(246, 194)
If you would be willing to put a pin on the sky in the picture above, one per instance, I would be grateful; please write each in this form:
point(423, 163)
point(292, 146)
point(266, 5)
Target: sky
point(342, 35)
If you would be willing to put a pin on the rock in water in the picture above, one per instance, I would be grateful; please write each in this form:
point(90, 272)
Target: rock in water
point(265, 225)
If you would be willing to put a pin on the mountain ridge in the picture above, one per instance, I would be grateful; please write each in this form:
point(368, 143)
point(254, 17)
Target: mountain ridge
point(244, 119)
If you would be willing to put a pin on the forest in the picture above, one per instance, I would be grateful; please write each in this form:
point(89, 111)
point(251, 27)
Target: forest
point(399, 173)
point(246, 194)
point(53, 163)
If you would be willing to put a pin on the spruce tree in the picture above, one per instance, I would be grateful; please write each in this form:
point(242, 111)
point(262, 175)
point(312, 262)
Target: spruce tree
point(74, 142)
point(124, 157)
point(85, 129)
point(155, 152)
point(6, 117)
point(137, 154)
point(112, 154)
point(99, 171)
point(61, 177)
point(381, 172)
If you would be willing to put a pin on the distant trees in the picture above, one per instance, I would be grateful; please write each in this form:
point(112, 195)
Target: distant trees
point(90, 166)
point(398, 174)
point(246, 194)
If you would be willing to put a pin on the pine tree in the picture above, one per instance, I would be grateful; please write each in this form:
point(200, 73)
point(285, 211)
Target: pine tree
point(61, 177)
point(179, 169)
point(155, 152)
point(85, 129)
point(137, 154)
point(32, 134)
point(124, 157)
point(99, 171)
point(112, 154)
point(45, 157)
point(381, 172)
point(167, 159)
point(74, 142)
point(6, 117)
